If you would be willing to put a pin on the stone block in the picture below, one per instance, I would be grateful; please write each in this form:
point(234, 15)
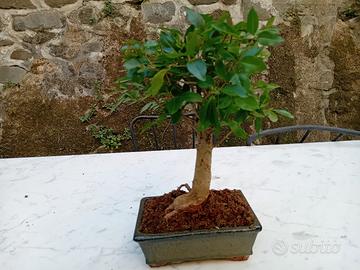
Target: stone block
point(203, 2)
point(64, 51)
point(158, 12)
point(6, 42)
point(16, 4)
point(59, 3)
point(260, 6)
point(86, 15)
point(11, 74)
point(21, 54)
point(229, 2)
point(39, 38)
point(95, 46)
point(39, 20)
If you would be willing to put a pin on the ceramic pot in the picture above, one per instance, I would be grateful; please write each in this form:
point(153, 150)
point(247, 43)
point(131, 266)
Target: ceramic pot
point(176, 247)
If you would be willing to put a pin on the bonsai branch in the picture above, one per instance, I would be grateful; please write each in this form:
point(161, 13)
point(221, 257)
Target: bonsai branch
point(224, 138)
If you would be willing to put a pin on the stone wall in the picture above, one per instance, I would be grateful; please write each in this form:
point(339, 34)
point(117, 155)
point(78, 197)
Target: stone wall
point(56, 45)
point(61, 48)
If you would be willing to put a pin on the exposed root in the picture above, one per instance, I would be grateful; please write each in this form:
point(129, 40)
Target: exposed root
point(184, 185)
point(183, 202)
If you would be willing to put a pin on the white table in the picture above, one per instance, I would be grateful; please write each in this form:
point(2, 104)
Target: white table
point(79, 212)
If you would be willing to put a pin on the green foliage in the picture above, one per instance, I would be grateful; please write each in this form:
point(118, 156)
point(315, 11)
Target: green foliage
point(108, 9)
point(107, 137)
point(92, 20)
point(211, 70)
point(89, 114)
point(9, 85)
point(350, 13)
point(252, 22)
point(198, 69)
point(98, 90)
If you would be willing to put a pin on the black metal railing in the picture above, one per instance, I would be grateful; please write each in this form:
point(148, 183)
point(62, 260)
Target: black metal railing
point(307, 128)
point(155, 133)
point(340, 132)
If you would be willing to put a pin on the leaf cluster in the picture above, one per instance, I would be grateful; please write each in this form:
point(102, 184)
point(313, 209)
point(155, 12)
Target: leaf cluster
point(211, 70)
point(107, 137)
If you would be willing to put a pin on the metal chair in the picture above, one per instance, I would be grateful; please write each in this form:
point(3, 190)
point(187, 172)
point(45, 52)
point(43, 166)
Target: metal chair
point(155, 133)
point(307, 128)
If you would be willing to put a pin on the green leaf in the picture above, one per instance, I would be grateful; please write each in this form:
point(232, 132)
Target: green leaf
point(240, 26)
point(284, 113)
point(157, 82)
point(224, 102)
point(235, 90)
point(252, 22)
point(247, 104)
point(150, 44)
point(271, 115)
point(208, 115)
point(173, 105)
point(245, 81)
point(270, 22)
point(269, 38)
point(225, 55)
point(168, 40)
point(178, 102)
point(235, 79)
point(264, 98)
point(237, 130)
point(198, 69)
point(258, 124)
point(266, 86)
point(240, 116)
point(252, 64)
point(212, 113)
point(175, 118)
point(204, 121)
point(131, 64)
point(252, 51)
point(257, 114)
point(194, 18)
point(192, 43)
point(149, 106)
point(191, 97)
point(225, 28)
point(221, 71)
point(206, 84)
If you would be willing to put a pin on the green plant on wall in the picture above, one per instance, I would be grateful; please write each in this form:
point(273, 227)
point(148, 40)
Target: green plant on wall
point(211, 71)
point(89, 114)
point(107, 137)
point(108, 9)
point(9, 85)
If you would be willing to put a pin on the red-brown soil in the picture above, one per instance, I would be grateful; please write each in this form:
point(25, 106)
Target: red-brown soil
point(223, 208)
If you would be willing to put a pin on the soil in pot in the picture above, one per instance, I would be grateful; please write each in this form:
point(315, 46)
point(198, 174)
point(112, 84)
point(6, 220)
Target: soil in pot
point(223, 208)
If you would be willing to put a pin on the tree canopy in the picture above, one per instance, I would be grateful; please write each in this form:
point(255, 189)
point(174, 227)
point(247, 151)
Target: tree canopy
point(212, 70)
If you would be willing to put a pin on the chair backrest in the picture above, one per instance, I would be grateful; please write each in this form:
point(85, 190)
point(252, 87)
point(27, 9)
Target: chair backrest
point(156, 134)
point(307, 130)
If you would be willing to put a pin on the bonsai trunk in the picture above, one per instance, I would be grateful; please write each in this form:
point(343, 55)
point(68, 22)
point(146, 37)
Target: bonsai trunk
point(202, 177)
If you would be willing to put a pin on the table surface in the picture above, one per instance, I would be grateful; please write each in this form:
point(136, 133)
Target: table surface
point(79, 212)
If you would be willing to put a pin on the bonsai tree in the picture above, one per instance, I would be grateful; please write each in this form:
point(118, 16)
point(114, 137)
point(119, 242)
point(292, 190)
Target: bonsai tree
point(211, 71)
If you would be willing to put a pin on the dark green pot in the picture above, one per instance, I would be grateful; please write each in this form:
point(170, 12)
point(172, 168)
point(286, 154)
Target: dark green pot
point(176, 247)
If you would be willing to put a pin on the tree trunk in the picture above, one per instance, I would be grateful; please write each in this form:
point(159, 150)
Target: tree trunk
point(202, 177)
